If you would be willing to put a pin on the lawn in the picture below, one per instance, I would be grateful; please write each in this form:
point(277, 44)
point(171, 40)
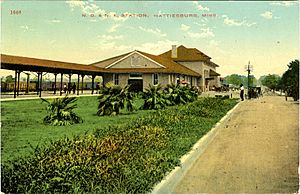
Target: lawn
point(129, 157)
point(23, 128)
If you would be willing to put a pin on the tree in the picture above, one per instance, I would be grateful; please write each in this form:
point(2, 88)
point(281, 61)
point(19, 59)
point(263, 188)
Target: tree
point(271, 81)
point(9, 79)
point(253, 81)
point(290, 80)
point(236, 80)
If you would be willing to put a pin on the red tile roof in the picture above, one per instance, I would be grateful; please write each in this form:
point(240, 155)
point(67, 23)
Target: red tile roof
point(170, 66)
point(186, 54)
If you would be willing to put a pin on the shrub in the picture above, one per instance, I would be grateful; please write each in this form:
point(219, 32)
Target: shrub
point(154, 98)
point(113, 98)
point(88, 163)
point(178, 94)
point(60, 111)
point(129, 159)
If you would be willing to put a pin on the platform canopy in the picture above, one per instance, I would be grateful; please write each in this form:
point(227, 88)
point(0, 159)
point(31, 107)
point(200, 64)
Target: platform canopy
point(19, 63)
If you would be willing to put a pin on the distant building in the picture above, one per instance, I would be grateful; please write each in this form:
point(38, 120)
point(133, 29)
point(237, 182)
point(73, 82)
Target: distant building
point(179, 65)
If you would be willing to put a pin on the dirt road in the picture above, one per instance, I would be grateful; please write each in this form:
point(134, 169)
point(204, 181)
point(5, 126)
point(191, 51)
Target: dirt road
point(256, 151)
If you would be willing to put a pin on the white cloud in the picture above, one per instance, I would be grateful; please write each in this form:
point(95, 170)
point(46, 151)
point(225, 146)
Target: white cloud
point(51, 42)
point(213, 43)
point(250, 24)
point(232, 22)
point(109, 37)
point(109, 44)
point(200, 7)
point(73, 4)
point(199, 24)
point(157, 47)
point(113, 28)
point(155, 31)
point(55, 21)
point(185, 27)
point(112, 46)
point(267, 15)
point(204, 33)
point(285, 3)
point(26, 28)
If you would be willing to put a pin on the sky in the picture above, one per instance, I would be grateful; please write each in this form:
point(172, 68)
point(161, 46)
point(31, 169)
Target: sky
point(232, 33)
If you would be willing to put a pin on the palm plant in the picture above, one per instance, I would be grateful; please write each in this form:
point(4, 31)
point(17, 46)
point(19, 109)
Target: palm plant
point(113, 98)
point(60, 111)
point(178, 94)
point(194, 93)
point(154, 98)
point(175, 94)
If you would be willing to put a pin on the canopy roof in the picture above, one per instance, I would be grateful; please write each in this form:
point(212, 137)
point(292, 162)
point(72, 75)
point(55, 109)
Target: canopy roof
point(44, 65)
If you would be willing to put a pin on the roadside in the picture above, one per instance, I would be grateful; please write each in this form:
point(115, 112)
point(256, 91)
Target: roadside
point(255, 151)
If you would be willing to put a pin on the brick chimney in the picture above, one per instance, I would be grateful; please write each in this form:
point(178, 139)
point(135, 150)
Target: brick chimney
point(174, 51)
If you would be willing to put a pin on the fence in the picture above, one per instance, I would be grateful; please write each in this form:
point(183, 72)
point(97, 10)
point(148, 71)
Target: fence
point(46, 86)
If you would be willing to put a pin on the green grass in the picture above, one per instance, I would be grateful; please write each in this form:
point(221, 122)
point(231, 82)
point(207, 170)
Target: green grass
point(128, 158)
point(23, 128)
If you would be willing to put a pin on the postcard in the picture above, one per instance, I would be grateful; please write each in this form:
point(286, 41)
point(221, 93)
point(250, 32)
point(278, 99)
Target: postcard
point(149, 96)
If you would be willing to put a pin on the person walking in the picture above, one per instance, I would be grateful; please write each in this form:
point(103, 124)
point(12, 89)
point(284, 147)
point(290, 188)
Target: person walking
point(69, 88)
point(74, 88)
point(242, 92)
point(97, 87)
point(65, 88)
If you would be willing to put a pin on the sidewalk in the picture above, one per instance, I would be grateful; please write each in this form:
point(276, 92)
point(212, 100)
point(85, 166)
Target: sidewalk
point(45, 94)
point(255, 151)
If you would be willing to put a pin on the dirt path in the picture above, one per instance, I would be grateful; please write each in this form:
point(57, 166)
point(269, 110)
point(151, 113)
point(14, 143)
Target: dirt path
point(256, 151)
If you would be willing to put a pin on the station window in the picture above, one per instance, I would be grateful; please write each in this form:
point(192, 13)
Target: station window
point(178, 79)
point(155, 78)
point(116, 79)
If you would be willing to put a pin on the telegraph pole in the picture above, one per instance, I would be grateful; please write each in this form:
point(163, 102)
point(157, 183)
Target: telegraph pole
point(249, 68)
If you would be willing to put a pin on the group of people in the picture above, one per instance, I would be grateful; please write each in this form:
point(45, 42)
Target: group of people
point(69, 88)
point(72, 87)
point(252, 93)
